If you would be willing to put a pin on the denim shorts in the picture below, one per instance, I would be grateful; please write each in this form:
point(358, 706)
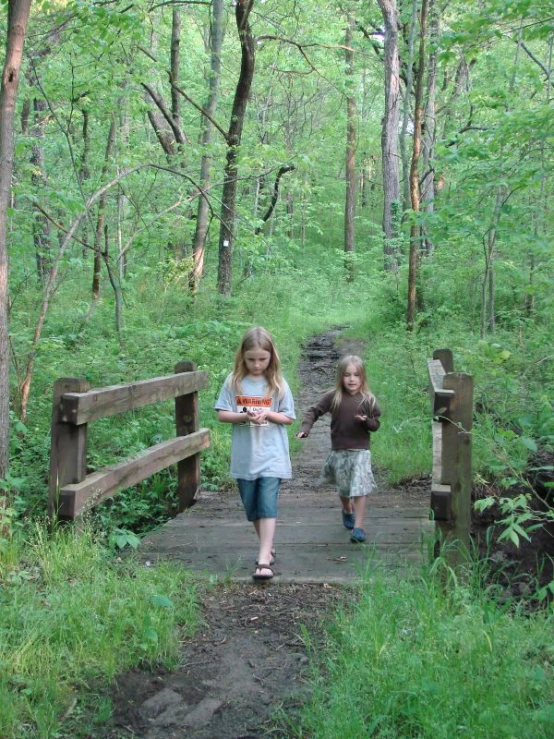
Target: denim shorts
point(259, 497)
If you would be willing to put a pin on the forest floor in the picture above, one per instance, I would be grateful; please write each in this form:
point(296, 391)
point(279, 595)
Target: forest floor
point(244, 674)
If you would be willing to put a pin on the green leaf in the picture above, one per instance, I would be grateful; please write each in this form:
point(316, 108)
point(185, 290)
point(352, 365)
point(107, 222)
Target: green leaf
point(162, 601)
point(529, 443)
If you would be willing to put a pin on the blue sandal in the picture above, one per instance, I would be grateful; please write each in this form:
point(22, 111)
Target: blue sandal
point(348, 520)
point(358, 536)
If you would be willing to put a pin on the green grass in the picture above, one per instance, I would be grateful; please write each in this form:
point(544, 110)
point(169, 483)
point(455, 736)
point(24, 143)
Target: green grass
point(73, 616)
point(412, 658)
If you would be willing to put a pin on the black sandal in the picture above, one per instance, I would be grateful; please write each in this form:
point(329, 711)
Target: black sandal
point(257, 576)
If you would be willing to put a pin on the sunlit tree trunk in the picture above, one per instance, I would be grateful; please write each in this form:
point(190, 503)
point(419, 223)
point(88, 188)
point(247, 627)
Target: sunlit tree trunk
point(389, 134)
point(18, 15)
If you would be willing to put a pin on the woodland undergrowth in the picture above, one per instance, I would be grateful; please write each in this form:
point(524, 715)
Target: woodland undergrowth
point(52, 580)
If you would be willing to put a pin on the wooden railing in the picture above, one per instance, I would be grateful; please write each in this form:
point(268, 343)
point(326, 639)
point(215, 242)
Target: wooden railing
point(75, 405)
point(451, 395)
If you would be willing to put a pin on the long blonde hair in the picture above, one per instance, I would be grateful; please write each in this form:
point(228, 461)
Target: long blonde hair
point(367, 395)
point(258, 338)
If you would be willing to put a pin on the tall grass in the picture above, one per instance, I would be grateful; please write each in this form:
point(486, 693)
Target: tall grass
point(72, 616)
point(413, 659)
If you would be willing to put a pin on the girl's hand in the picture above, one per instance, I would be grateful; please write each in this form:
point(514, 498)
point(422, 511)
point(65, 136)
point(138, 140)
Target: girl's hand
point(301, 435)
point(361, 418)
point(257, 417)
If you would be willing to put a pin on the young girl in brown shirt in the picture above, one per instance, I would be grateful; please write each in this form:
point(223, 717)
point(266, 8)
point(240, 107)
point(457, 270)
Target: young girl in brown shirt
point(354, 414)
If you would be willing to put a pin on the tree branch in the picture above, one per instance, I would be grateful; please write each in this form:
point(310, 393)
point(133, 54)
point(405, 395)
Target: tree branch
point(280, 173)
point(180, 137)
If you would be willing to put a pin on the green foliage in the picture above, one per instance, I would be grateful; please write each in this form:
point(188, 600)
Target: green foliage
point(71, 615)
point(411, 658)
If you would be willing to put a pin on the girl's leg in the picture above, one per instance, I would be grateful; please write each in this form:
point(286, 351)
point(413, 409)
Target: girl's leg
point(258, 532)
point(266, 531)
point(346, 504)
point(359, 510)
point(266, 522)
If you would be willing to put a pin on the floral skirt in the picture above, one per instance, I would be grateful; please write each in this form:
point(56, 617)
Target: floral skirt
point(350, 470)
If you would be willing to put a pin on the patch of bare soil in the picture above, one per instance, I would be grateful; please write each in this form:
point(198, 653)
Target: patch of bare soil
point(248, 661)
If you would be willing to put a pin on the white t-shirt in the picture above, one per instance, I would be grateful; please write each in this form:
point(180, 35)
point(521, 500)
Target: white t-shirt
point(257, 450)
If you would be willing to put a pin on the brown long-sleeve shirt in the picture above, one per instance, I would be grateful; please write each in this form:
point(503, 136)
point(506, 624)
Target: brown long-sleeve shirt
point(346, 431)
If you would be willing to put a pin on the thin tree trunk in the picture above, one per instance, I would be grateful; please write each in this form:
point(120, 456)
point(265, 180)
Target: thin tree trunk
point(406, 108)
point(415, 196)
point(201, 231)
point(100, 217)
point(228, 201)
point(41, 224)
point(114, 282)
point(389, 135)
point(18, 15)
point(350, 166)
point(428, 182)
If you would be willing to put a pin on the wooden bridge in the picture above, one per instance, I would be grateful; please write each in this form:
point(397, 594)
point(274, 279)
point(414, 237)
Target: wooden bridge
point(210, 534)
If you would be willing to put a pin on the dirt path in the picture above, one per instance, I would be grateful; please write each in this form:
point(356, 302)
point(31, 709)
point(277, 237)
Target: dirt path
point(249, 660)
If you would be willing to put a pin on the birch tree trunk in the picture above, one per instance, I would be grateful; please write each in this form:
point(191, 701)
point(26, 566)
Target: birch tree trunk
point(389, 134)
point(228, 200)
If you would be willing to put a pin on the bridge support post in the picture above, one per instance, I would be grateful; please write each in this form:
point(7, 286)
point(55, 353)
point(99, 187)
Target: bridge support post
point(187, 422)
point(68, 456)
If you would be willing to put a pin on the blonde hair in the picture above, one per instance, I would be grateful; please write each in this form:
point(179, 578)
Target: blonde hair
point(367, 395)
point(258, 338)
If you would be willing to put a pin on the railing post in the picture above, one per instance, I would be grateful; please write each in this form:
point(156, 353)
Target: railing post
point(68, 456)
point(457, 459)
point(446, 358)
point(187, 421)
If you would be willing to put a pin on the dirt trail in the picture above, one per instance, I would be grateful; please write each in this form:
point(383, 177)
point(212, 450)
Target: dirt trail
point(249, 659)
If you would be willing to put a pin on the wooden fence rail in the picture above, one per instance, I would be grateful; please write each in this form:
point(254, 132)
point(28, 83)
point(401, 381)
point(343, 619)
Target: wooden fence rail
point(451, 395)
point(75, 405)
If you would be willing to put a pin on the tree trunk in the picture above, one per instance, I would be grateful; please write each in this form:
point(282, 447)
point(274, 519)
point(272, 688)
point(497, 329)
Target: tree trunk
point(228, 200)
point(41, 224)
point(415, 195)
point(389, 135)
point(406, 108)
point(350, 173)
point(18, 15)
point(429, 128)
point(100, 217)
point(201, 231)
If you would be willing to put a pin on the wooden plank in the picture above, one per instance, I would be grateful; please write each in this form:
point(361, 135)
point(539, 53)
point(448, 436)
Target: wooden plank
point(104, 483)
point(79, 408)
point(186, 421)
point(439, 396)
point(446, 358)
point(437, 451)
point(441, 502)
point(68, 445)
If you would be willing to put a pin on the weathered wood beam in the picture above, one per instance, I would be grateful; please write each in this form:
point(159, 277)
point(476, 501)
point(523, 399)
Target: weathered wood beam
point(79, 408)
point(75, 498)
